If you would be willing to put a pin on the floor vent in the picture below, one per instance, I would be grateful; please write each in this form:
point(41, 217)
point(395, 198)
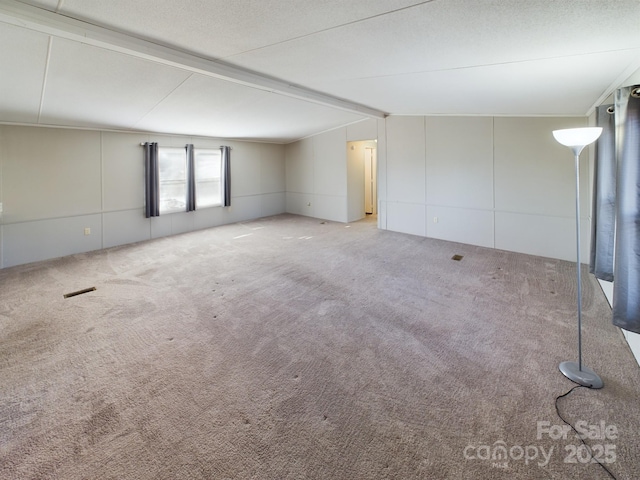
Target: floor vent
point(457, 258)
point(79, 292)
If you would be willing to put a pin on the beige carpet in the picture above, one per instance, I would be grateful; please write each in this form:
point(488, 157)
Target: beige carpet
point(291, 348)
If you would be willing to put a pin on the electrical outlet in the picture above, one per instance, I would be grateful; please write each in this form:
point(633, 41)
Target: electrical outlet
point(435, 219)
point(0, 208)
point(87, 231)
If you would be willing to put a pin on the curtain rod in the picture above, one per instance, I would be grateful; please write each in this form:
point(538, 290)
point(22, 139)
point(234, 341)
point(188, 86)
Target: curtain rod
point(230, 148)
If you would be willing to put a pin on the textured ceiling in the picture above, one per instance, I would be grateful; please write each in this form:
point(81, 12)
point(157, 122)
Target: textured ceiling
point(463, 57)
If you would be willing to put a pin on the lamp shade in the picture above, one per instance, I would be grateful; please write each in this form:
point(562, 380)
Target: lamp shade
point(577, 138)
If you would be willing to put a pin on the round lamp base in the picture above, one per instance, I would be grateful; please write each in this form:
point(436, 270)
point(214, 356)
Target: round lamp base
point(585, 377)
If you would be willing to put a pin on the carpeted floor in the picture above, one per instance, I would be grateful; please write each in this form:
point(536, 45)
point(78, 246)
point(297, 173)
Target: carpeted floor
point(292, 348)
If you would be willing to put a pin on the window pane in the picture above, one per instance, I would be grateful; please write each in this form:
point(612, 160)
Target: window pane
point(207, 164)
point(172, 167)
point(208, 194)
point(172, 198)
point(208, 168)
point(172, 163)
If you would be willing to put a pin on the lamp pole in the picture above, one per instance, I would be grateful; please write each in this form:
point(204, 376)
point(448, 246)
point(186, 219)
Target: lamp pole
point(578, 262)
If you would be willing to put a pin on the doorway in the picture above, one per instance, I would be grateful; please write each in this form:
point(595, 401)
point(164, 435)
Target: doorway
point(370, 176)
point(362, 177)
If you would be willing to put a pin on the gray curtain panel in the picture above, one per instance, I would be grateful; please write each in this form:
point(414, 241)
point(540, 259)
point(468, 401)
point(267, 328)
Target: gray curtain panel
point(604, 197)
point(191, 179)
point(626, 290)
point(226, 172)
point(152, 184)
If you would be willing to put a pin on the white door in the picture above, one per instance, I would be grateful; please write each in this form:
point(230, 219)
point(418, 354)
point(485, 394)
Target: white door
point(370, 199)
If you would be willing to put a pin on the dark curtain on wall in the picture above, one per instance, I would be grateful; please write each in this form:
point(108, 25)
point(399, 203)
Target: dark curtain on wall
point(604, 197)
point(626, 291)
point(226, 175)
point(191, 179)
point(152, 184)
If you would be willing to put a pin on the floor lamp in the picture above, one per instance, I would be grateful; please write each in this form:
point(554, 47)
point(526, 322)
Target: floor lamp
point(576, 139)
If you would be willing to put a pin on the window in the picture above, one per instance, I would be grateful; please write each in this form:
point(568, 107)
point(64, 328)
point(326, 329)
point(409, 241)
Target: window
point(183, 179)
point(208, 168)
point(172, 179)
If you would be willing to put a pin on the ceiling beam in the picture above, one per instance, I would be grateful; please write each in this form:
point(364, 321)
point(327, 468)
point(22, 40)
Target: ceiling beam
point(44, 21)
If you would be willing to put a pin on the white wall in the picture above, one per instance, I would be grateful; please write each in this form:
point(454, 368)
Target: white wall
point(317, 172)
point(500, 182)
point(459, 179)
point(54, 183)
point(316, 181)
point(355, 181)
point(406, 175)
